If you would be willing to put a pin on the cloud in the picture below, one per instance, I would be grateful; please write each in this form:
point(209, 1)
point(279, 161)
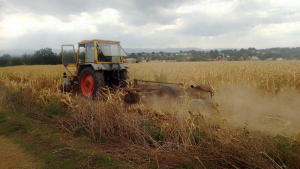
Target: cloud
point(227, 17)
point(156, 23)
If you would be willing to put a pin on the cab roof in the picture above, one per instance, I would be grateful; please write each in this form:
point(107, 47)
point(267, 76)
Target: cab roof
point(98, 40)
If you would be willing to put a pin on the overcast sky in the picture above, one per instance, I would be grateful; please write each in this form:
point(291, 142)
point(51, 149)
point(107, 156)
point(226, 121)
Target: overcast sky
point(206, 24)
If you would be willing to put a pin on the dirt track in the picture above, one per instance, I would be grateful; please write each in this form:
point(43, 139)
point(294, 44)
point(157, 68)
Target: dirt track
point(13, 156)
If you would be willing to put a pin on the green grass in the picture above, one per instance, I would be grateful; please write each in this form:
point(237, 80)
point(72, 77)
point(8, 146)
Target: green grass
point(3, 117)
point(13, 126)
point(106, 161)
point(288, 149)
point(53, 108)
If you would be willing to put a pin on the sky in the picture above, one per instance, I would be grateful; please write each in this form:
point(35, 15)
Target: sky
point(205, 24)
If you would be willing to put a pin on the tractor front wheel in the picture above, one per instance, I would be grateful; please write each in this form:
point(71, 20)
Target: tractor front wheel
point(91, 82)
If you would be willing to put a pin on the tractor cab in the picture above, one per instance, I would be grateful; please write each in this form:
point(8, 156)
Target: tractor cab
point(101, 57)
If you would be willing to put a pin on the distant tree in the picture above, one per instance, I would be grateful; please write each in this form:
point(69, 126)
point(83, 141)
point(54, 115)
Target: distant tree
point(251, 49)
point(27, 59)
point(138, 60)
point(194, 59)
point(7, 56)
point(81, 57)
point(213, 54)
point(69, 56)
point(133, 55)
point(5, 60)
point(179, 60)
point(46, 56)
point(16, 61)
point(243, 50)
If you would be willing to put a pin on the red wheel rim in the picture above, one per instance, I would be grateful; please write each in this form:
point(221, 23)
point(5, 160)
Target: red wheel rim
point(87, 84)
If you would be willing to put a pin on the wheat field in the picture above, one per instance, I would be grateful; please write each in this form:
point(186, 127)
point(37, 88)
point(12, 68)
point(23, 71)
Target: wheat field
point(269, 76)
point(270, 79)
point(251, 97)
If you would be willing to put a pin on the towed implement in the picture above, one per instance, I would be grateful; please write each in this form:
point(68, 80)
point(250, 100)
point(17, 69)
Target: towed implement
point(167, 90)
point(99, 64)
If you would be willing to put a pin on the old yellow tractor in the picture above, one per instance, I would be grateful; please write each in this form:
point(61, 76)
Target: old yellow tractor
point(98, 63)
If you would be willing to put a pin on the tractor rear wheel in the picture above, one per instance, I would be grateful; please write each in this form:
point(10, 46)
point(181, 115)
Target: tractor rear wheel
point(91, 82)
point(124, 76)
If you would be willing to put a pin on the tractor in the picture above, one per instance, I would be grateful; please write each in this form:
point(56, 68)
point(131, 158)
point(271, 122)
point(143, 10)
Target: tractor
point(97, 64)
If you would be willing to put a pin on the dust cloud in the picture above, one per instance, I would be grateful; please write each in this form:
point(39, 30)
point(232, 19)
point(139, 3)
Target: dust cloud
point(241, 107)
point(245, 107)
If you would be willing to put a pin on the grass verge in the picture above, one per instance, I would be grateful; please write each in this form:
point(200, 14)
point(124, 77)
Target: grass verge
point(50, 146)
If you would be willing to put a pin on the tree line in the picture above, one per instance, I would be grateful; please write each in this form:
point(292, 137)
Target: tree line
point(227, 54)
point(44, 56)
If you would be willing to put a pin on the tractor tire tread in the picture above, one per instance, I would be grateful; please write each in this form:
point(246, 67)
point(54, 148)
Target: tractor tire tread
point(98, 81)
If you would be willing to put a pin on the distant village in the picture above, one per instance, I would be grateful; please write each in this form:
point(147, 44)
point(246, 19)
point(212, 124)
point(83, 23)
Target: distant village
point(251, 53)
